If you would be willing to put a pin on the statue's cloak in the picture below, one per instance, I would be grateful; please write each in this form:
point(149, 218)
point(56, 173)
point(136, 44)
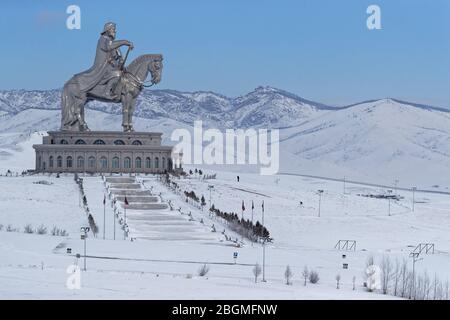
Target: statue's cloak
point(103, 64)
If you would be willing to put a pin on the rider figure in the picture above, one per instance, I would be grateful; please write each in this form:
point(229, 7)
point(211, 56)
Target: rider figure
point(109, 45)
point(106, 70)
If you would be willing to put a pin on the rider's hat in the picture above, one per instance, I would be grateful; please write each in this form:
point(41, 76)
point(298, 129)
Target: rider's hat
point(108, 26)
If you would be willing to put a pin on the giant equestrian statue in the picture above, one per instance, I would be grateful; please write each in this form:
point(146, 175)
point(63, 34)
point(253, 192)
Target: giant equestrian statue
point(108, 80)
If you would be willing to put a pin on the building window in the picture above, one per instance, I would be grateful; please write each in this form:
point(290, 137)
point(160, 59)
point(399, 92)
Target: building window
point(80, 141)
point(127, 163)
point(163, 163)
point(137, 143)
point(156, 162)
point(99, 141)
point(59, 162)
point(119, 142)
point(50, 162)
point(63, 141)
point(138, 163)
point(148, 163)
point(69, 162)
point(103, 163)
point(91, 162)
point(115, 163)
point(39, 162)
point(80, 162)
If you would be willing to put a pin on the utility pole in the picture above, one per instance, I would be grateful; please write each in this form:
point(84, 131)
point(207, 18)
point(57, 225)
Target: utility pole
point(104, 216)
point(210, 187)
point(344, 185)
point(319, 192)
point(85, 230)
point(263, 247)
point(413, 199)
point(389, 201)
point(415, 258)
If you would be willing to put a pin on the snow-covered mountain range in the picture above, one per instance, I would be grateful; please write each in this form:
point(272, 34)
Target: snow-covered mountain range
point(384, 139)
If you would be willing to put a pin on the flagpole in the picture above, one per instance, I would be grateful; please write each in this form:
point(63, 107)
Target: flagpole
point(104, 215)
point(253, 206)
point(263, 247)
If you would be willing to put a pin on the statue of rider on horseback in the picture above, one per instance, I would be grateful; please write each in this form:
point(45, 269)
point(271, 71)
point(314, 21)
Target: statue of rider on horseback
point(108, 80)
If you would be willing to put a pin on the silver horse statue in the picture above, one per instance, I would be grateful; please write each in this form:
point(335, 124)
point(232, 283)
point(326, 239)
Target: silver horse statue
point(108, 80)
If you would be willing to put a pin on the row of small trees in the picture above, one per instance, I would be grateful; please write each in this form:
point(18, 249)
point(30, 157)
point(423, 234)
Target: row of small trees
point(39, 230)
point(91, 221)
point(398, 280)
point(246, 228)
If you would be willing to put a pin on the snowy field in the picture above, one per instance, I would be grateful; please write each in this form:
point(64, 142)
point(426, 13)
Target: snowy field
point(170, 246)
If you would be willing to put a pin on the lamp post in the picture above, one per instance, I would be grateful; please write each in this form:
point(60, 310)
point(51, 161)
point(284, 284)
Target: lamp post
point(413, 199)
point(210, 187)
point(319, 192)
point(389, 201)
point(415, 258)
point(85, 230)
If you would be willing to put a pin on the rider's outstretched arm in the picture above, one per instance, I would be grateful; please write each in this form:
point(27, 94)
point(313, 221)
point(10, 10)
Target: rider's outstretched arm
point(112, 45)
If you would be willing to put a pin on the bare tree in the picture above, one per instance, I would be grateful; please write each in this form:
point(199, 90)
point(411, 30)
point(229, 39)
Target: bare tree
point(338, 279)
point(404, 278)
point(396, 276)
point(386, 273)
point(256, 272)
point(354, 282)
point(288, 275)
point(305, 274)
point(314, 276)
point(435, 287)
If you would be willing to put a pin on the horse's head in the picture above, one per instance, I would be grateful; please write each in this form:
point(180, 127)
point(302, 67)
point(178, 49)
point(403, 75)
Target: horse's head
point(155, 67)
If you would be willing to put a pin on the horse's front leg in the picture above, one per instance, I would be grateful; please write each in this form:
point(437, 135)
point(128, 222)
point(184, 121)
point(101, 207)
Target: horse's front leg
point(131, 106)
point(125, 112)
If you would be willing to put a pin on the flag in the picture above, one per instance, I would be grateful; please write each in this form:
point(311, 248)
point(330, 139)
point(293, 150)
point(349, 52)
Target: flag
point(253, 205)
point(243, 206)
point(126, 201)
point(104, 199)
point(263, 206)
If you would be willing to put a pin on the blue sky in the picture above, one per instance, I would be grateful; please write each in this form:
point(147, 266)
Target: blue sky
point(318, 49)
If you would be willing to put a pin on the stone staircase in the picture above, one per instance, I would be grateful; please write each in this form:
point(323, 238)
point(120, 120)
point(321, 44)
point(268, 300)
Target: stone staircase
point(148, 217)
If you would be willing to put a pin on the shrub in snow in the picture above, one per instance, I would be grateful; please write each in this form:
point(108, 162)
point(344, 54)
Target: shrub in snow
point(1, 227)
point(314, 276)
point(189, 276)
point(203, 271)
point(256, 272)
point(28, 229)
point(41, 229)
point(338, 279)
point(9, 228)
point(288, 275)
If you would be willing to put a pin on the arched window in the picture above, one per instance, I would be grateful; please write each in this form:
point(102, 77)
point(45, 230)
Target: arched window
point(163, 163)
point(148, 163)
point(119, 142)
point(99, 141)
point(80, 141)
point(103, 163)
point(63, 141)
point(170, 163)
point(69, 162)
point(137, 143)
point(50, 162)
point(127, 163)
point(156, 162)
point(59, 162)
point(137, 163)
point(91, 162)
point(116, 163)
point(80, 162)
